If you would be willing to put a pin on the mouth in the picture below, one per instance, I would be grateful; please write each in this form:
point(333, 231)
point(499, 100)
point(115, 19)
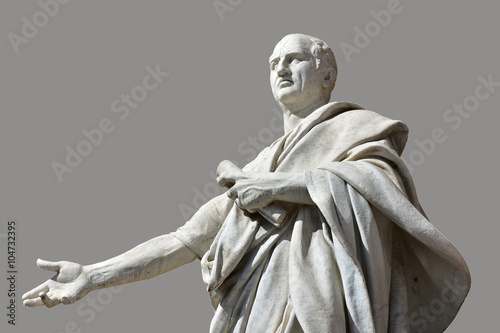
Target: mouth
point(284, 83)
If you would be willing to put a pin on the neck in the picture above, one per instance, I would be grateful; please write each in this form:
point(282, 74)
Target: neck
point(293, 115)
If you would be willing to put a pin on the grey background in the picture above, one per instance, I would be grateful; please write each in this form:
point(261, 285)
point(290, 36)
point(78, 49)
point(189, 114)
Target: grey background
point(130, 187)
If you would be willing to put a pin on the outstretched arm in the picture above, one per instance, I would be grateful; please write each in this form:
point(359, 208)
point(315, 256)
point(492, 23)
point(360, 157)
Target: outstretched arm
point(73, 281)
point(147, 260)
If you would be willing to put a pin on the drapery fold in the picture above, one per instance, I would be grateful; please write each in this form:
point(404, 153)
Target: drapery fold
point(364, 258)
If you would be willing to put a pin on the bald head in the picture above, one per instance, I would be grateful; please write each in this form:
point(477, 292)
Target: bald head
point(323, 54)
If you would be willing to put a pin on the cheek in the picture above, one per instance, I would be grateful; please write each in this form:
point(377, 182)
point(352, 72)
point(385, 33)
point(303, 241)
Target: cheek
point(272, 80)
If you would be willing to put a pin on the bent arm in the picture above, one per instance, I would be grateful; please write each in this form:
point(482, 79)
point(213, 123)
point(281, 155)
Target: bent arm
point(293, 188)
point(145, 261)
point(257, 190)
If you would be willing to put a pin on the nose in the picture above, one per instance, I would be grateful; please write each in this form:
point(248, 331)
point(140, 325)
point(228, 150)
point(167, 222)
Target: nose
point(282, 68)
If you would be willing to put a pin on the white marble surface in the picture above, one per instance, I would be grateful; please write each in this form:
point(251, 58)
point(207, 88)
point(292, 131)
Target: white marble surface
point(322, 231)
point(66, 78)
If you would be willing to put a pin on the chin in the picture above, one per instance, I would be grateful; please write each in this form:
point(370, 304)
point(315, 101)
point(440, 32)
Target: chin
point(286, 97)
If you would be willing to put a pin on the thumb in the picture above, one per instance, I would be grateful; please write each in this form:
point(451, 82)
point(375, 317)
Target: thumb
point(48, 265)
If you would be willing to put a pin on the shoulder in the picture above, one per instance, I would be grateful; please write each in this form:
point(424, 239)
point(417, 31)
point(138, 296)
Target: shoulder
point(364, 124)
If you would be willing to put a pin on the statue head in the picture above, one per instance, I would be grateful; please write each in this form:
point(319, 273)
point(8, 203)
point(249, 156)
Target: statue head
point(303, 71)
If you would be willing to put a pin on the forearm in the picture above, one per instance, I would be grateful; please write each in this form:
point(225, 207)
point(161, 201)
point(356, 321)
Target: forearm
point(294, 189)
point(147, 260)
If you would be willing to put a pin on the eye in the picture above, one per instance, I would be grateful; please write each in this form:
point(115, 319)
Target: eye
point(273, 65)
point(295, 60)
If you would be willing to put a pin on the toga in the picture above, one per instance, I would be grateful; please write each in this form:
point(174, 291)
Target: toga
point(363, 258)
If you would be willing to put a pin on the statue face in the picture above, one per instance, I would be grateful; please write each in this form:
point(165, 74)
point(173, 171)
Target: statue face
point(295, 81)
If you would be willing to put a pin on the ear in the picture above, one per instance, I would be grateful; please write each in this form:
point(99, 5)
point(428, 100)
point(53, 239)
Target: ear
point(329, 78)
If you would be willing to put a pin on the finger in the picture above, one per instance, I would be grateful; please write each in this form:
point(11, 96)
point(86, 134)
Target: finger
point(33, 302)
point(48, 301)
point(49, 265)
point(232, 193)
point(228, 178)
point(243, 205)
point(35, 292)
point(238, 203)
point(60, 296)
point(69, 298)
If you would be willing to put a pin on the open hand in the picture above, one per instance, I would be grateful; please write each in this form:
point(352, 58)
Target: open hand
point(69, 285)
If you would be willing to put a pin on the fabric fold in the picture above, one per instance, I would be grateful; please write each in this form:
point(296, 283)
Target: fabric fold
point(363, 258)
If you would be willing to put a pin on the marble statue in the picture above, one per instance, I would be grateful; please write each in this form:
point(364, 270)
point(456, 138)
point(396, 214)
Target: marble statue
point(321, 232)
